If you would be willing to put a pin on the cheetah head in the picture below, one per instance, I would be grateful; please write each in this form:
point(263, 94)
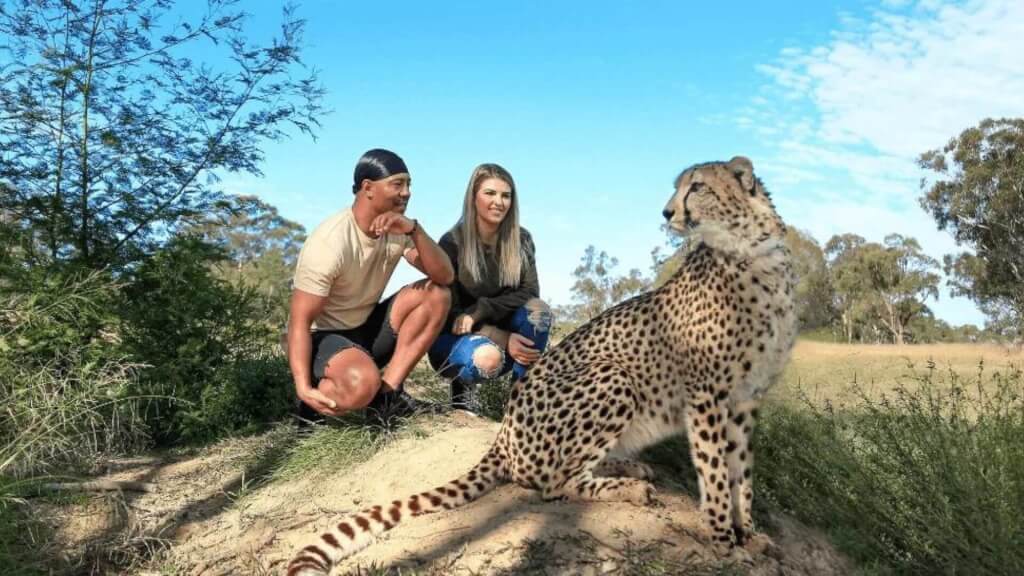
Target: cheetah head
point(723, 199)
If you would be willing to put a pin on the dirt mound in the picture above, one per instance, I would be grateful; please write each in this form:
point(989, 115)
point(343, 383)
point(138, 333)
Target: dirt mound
point(509, 531)
point(205, 519)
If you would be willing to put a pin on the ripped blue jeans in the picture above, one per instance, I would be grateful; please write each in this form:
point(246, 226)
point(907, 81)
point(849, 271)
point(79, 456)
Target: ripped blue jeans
point(453, 356)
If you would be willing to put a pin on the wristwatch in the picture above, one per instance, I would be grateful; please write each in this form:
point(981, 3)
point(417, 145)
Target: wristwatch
point(415, 225)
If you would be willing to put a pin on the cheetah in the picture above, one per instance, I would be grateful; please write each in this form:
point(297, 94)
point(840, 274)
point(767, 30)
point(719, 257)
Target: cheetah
point(693, 356)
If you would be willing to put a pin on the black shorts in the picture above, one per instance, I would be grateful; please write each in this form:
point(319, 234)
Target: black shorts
point(376, 337)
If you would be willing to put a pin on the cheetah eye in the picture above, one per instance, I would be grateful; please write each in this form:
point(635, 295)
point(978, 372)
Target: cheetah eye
point(697, 186)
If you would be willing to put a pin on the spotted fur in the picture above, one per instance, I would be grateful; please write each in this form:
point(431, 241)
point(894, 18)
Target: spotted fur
point(693, 356)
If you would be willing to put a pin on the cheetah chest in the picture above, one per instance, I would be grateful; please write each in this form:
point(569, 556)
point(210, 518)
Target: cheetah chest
point(775, 332)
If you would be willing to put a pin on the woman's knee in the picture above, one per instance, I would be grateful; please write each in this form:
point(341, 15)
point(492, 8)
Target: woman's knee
point(538, 314)
point(488, 359)
point(533, 319)
point(471, 358)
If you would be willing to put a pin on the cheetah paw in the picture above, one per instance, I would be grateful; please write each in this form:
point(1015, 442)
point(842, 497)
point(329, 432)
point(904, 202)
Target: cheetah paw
point(739, 556)
point(762, 544)
point(642, 493)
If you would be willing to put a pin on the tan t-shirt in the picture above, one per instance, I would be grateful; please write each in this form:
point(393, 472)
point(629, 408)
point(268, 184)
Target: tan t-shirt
point(339, 261)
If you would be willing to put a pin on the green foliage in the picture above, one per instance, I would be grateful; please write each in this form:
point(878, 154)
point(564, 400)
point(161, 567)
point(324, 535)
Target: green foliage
point(814, 293)
point(64, 378)
point(261, 250)
point(926, 481)
point(242, 396)
point(205, 345)
point(927, 329)
point(978, 196)
point(21, 536)
point(493, 395)
point(113, 131)
point(596, 287)
point(880, 288)
point(329, 449)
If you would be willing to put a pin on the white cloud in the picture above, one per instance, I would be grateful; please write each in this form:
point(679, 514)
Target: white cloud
point(845, 121)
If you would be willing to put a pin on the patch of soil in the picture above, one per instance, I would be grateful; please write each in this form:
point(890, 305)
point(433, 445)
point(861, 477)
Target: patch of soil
point(509, 531)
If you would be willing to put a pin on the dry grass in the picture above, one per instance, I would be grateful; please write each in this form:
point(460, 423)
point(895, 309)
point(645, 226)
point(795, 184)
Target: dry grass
point(835, 372)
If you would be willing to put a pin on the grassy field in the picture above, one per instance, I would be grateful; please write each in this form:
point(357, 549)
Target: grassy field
point(839, 373)
point(908, 457)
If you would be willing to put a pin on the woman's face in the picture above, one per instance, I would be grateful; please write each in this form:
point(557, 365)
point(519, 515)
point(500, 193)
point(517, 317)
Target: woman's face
point(493, 200)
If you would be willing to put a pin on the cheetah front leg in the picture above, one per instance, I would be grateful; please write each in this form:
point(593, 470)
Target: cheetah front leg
point(740, 457)
point(706, 430)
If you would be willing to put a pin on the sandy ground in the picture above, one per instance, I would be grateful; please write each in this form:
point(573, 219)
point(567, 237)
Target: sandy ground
point(203, 520)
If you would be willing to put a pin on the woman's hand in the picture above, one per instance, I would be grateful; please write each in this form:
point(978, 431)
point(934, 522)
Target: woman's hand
point(463, 324)
point(521, 349)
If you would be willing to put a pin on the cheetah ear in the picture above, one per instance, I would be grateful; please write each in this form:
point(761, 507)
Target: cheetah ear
point(742, 168)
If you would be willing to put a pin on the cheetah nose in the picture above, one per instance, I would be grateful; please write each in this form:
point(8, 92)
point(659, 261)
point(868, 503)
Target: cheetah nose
point(668, 213)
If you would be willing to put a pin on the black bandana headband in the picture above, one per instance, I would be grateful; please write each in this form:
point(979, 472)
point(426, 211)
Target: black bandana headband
point(377, 164)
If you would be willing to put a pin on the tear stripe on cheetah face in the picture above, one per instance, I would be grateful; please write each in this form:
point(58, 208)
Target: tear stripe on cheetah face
point(694, 355)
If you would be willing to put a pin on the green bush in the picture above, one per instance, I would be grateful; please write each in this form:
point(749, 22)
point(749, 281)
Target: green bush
point(64, 378)
point(206, 346)
point(928, 481)
point(242, 396)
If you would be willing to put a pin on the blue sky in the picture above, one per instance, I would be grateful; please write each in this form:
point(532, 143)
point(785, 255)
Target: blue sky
point(594, 107)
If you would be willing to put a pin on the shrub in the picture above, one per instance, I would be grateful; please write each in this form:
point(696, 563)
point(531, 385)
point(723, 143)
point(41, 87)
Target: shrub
point(206, 346)
point(928, 481)
point(242, 396)
point(63, 375)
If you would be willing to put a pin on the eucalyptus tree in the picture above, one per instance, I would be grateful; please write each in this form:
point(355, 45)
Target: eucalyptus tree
point(117, 116)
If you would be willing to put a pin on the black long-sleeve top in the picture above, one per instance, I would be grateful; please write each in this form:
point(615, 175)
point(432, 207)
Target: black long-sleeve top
point(487, 302)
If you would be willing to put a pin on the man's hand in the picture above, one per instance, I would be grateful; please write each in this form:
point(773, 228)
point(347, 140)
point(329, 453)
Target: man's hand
point(521, 349)
point(463, 324)
point(391, 223)
point(318, 401)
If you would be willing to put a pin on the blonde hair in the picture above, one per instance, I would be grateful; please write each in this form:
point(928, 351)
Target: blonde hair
point(509, 242)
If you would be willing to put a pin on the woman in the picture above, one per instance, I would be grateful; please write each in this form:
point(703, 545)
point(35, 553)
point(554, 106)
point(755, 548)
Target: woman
point(497, 321)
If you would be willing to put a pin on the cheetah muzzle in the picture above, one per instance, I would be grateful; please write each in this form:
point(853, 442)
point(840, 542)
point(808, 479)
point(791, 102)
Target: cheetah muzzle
point(694, 355)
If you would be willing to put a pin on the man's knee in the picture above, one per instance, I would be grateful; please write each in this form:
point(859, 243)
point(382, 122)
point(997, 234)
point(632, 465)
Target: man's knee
point(424, 293)
point(352, 387)
point(439, 297)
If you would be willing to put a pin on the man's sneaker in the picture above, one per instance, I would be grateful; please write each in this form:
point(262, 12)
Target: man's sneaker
point(389, 404)
point(306, 418)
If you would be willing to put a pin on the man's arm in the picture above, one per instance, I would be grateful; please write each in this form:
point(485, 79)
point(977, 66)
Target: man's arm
point(305, 308)
point(430, 258)
point(425, 255)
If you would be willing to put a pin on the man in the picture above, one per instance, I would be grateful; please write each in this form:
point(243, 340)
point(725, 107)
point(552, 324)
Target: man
point(339, 333)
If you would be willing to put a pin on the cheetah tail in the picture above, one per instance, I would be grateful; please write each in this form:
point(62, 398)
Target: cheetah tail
point(355, 532)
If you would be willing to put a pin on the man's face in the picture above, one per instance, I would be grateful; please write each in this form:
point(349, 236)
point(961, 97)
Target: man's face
point(391, 194)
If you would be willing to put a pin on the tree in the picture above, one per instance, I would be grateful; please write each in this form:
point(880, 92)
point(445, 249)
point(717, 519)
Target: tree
point(904, 279)
point(596, 288)
point(663, 267)
point(881, 287)
point(847, 281)
point(978, 196)
point(814, 295)
point(112, 133)
point(261, 249)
